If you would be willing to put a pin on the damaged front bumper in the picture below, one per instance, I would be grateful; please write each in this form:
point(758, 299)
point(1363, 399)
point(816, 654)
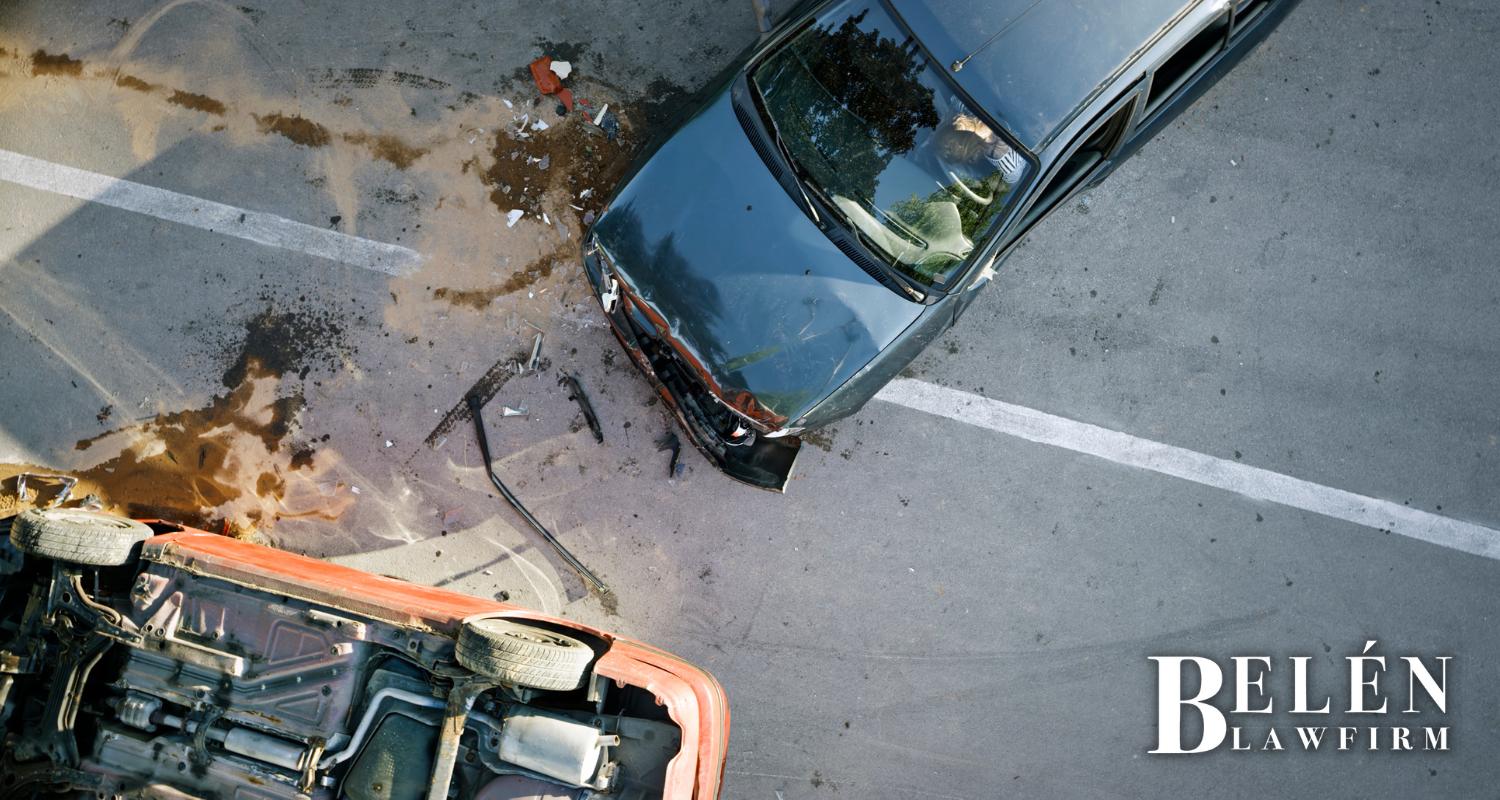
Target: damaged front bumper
point(736, 444)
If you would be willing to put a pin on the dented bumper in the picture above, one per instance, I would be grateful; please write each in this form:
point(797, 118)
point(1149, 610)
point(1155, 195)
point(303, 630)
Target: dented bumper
point(753, 456)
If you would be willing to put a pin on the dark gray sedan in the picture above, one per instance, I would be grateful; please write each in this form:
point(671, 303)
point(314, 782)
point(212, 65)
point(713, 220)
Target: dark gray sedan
point(845, 188)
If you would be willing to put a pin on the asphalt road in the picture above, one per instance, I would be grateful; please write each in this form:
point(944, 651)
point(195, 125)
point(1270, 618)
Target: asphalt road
point(1297, 275)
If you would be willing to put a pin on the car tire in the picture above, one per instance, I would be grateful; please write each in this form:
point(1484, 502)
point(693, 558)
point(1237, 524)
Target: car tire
point(523, 655)
point(77, 536)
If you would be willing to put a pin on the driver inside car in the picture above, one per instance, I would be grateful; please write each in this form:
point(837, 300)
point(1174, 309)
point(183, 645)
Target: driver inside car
point(967, 140)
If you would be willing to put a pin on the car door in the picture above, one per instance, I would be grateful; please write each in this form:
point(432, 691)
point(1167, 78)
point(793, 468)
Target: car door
point(1087, 157)
point(1091, 153)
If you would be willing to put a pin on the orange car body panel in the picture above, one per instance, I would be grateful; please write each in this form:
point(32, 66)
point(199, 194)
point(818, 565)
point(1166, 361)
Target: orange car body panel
point(694, 699)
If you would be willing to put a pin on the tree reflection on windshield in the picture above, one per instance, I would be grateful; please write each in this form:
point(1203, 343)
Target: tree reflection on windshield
point(886, 140)
point(863, 103)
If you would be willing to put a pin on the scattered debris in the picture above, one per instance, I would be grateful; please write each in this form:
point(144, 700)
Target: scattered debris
point(507, 411)
point(611, 127)
point(576, 393)
point(67, 481)
point(475, 404)
point(562, 69)
point(549, 82)
point(606, 122)
point(513, 216)
point(669, 441)
point(536, 353)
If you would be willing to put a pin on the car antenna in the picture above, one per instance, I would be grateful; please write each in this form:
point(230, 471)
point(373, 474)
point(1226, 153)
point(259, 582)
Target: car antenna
point(959, 64)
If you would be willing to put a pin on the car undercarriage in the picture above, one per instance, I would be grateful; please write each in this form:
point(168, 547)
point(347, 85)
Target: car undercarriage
point(129, 669)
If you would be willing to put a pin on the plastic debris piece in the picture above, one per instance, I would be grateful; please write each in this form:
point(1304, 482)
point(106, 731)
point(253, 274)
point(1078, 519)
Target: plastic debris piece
point(513, 216)
point(584, 195)
point(389, 443)
point(507, 411)
point(547, 81)
point(599, 118)
point(562, 69)
point(588, 218)
point(669, 441)
point(545, 220)
point(536, 353)
point(611, 127)
point(508, 104)
point(540, 125)
point(544, 162)
point(576, 394)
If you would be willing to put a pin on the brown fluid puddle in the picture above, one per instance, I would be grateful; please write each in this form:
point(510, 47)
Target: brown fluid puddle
point(387, 148)
point(197, 102)
point(227, 467)
point(45, 63)
point(299, 129)
point(234, 465)
point(479, 299)
point(132, 82)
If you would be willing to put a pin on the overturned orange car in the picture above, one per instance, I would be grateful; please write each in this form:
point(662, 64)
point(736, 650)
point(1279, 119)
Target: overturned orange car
point(143, 658)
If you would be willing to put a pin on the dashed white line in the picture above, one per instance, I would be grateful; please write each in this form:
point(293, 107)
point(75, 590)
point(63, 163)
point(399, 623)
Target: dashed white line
point(1261, 484)
point(254, 226)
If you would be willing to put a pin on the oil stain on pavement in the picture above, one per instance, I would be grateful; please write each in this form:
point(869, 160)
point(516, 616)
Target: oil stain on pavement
point(235, 465)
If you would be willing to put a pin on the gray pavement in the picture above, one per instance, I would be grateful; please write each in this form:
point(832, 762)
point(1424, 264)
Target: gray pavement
point(1296, 275)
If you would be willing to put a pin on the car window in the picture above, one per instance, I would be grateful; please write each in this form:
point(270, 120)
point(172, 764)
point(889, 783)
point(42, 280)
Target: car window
point(882, 135)
point(1182, 65)
point(1096, 146)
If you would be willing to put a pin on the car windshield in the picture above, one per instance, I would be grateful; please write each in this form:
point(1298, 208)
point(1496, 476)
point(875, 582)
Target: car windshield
point(882, 136)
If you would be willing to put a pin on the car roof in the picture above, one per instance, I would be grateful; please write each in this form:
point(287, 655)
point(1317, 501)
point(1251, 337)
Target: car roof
point(1037, 61)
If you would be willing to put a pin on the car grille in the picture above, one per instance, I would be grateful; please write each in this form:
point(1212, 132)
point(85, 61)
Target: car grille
point(708, 417)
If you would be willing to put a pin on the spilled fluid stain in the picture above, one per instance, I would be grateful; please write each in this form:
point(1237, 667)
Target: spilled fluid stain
point(197, 102)
point(298, 129)
point(235, 465)
point(288, 341)
point(198, 466)
point(227, 467)
point(45, 63)
point(294, 127)
point(132, 82)
point(479, 299)
point(821, 439)
point(387, 148)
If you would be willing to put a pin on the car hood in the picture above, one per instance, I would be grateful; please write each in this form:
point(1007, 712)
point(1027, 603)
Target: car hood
point(746, 284)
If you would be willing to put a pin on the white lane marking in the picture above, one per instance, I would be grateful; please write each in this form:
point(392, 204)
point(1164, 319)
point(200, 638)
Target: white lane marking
point(1261, 484)
point(254, 226)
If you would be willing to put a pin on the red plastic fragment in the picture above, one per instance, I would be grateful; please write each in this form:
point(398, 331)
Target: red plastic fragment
point(547, 81)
